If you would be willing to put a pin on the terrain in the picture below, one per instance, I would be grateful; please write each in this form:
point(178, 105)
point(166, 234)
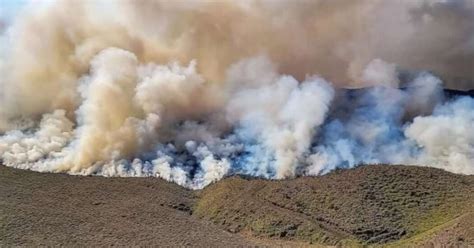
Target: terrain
point(376, 205)
point(55, 209)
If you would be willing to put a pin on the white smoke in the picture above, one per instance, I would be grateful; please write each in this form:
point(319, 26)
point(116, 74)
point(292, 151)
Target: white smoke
point(37, 149)
point(281, 118)
point(446, 138)
point(191, 93)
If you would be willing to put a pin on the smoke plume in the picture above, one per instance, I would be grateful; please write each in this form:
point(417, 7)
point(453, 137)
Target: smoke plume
point(192, 91)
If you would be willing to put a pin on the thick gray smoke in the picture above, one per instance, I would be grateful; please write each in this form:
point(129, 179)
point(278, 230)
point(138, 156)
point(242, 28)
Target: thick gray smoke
point(194, 91)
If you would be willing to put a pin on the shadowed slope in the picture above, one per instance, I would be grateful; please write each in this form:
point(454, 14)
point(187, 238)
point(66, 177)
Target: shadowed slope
point(55, 209)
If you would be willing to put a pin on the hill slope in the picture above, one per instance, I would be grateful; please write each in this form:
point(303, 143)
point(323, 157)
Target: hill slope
point(369, 204)
point(375, 205)
point(52, 209)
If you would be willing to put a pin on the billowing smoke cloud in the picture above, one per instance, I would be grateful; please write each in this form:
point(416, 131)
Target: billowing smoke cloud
point(194, 91)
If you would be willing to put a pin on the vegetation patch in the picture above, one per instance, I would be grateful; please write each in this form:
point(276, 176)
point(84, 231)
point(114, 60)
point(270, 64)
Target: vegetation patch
point(374, 204)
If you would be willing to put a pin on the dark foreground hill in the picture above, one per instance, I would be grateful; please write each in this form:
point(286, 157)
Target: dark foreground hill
point(370, 205)
point(55, 209)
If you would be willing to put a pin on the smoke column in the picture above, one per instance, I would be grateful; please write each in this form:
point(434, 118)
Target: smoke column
point(192, 91)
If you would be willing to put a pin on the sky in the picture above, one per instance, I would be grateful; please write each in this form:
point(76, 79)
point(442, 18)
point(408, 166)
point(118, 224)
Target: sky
point(9, 8)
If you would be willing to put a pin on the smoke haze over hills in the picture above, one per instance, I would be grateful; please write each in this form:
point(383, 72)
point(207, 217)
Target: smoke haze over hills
point(194, 91)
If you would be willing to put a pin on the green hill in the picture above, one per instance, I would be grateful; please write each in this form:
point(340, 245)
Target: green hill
point(366, 205)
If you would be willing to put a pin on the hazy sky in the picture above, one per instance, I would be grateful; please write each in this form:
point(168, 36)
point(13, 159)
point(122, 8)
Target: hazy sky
point(8, 8)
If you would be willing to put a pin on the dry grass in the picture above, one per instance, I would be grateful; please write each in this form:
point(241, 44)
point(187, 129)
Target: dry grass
point(397, 206)
point(370, 204)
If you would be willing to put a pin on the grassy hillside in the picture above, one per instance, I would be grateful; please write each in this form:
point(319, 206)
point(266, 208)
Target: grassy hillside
point(393, 206)
point(366, 205)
